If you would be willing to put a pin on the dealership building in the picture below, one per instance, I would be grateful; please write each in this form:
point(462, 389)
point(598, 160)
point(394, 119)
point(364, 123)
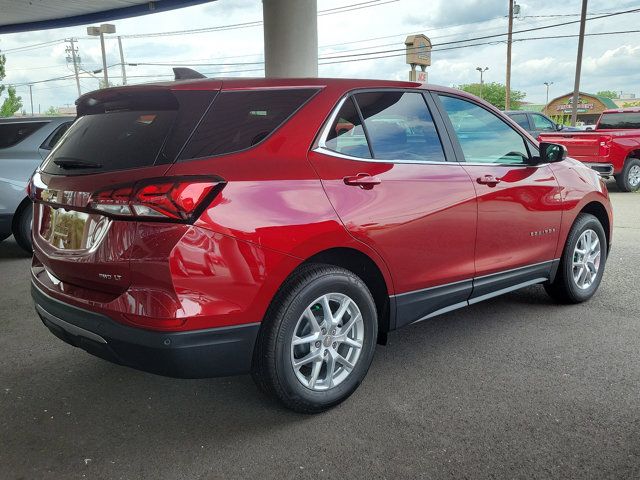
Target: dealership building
point(589, 107)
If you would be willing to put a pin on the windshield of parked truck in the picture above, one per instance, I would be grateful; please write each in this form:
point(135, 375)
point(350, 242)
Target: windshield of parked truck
point(619, 120)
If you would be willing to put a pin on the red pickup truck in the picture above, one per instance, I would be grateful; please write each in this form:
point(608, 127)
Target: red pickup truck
point(612, 149)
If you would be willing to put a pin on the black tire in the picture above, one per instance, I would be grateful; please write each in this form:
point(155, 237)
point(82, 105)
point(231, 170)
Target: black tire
point(22, 221)
point(564, 288)
point(272, 365)
point(624, 180)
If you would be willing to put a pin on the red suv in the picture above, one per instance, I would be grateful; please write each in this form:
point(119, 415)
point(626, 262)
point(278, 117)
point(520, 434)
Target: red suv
point(284, 227)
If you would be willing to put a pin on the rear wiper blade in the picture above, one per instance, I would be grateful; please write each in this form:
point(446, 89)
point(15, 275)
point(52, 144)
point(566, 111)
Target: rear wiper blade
point(68, 163)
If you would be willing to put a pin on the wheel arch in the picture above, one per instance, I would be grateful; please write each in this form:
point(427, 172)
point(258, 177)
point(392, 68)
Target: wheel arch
point(598, 210)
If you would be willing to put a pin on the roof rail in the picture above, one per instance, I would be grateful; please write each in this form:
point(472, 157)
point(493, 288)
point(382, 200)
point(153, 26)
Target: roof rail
point(183, 73)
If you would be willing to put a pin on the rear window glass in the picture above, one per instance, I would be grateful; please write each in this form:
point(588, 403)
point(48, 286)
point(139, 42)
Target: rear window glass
point(239, 120)
point(13, 133)
point(111, 141)
point(620, 120)
point(347, 134)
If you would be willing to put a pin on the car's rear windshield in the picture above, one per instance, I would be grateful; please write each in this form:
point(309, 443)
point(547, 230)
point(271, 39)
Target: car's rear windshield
point(619, 120)
point(111, 141)
point(13, 133)
point(125, 129)
point(238, 120)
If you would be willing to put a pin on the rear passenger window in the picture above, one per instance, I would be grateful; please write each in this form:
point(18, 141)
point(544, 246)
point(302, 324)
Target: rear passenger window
point(241, 119)
point(400, 127)
point(346, 135)
point(14, 132)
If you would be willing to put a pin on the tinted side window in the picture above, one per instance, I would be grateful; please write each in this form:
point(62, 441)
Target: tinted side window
point(13, 133)
point(520, 119)
point(346, 134)
point(620, 120)
point(400, 127)
point(543, 123)
point(239, 120)
point(57, 134)
point(483, 136)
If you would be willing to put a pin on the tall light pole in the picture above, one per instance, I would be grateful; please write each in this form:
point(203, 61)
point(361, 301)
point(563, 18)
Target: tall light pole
point(99, 32)
point(481, 70)
point(546, 105)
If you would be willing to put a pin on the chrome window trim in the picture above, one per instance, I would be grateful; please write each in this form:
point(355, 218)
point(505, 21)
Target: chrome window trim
point(323, 149)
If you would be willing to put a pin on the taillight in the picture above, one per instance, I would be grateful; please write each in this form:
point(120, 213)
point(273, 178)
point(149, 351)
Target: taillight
point(176, 199)
point(604, 146)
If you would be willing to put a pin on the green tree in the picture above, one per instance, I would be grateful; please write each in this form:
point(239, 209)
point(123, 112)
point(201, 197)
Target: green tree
point(12, 103)
point(607, 94)
point(52, 111)
point(631, 104)
point(494, 93)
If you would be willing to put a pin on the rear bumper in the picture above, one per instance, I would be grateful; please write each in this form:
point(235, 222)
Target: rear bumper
point(604, 169)
point(212, 352)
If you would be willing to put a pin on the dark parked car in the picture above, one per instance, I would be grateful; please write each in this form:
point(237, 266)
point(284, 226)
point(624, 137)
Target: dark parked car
point(283, 227)
point(536, 123)
point(24, 143)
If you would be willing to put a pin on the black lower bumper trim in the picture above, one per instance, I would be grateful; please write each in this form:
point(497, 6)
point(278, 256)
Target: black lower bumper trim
point(212, 352)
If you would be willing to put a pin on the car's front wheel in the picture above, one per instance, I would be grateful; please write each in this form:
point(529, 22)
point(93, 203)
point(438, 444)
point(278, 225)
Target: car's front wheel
point(317, 341)
point(22, 221)
point(582, 262)
point(629, 179)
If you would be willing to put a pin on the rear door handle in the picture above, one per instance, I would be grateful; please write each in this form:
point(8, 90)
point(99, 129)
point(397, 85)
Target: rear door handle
point(362, 180)
point(488, 180)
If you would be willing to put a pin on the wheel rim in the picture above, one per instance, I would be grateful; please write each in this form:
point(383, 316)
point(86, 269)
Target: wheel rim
point(327, 341)
point(586, 259)
point(634, 176)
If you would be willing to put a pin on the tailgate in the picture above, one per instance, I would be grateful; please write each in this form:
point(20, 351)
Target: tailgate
point(124, 135)
point(584, 146)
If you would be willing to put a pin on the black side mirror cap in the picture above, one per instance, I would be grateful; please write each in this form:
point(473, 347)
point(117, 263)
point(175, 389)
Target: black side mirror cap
point(559, 126)
point(551, 153)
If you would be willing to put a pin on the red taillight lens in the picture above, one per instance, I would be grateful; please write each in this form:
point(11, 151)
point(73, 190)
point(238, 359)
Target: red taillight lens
point(604, 146)
point(168, 198)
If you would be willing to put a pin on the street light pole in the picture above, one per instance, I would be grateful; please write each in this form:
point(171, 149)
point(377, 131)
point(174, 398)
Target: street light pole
point(100, 31)
point(481, 70)
point(546, 105)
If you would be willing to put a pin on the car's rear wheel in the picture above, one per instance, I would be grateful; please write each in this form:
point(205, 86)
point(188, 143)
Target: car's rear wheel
point(582, 262)
point(629, 179)
point(22, 221)
point(317, 340)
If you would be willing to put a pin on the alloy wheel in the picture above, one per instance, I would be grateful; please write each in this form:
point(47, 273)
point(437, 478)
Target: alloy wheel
point(586, 259)
point(327, 341)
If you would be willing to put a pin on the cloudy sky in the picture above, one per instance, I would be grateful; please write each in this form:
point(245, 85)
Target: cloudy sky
point(611, 62)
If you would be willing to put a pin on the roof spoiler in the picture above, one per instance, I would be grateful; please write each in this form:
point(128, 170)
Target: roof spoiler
point(182, 73)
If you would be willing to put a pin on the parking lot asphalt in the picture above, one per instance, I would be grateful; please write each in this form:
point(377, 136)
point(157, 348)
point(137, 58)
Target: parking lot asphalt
point(515, 387)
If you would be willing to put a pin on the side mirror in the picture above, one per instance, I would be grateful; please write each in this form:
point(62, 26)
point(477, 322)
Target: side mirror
point(559, 126)
point(552, 152)
point(549, 153)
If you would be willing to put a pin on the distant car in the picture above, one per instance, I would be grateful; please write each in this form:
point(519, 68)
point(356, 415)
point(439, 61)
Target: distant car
point(24, 143)
point(611, 149)
point(536, 123)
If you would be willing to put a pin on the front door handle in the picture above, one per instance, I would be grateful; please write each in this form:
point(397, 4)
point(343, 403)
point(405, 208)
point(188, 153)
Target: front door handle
point(488, 180)
point(362, 180)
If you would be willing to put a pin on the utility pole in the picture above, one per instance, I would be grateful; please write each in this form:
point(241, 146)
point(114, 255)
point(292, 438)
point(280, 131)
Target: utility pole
point(31, 98)
point(546, 105)
point(124, 69)
point(72, 51)
point(507, 96)
point(576, 85)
